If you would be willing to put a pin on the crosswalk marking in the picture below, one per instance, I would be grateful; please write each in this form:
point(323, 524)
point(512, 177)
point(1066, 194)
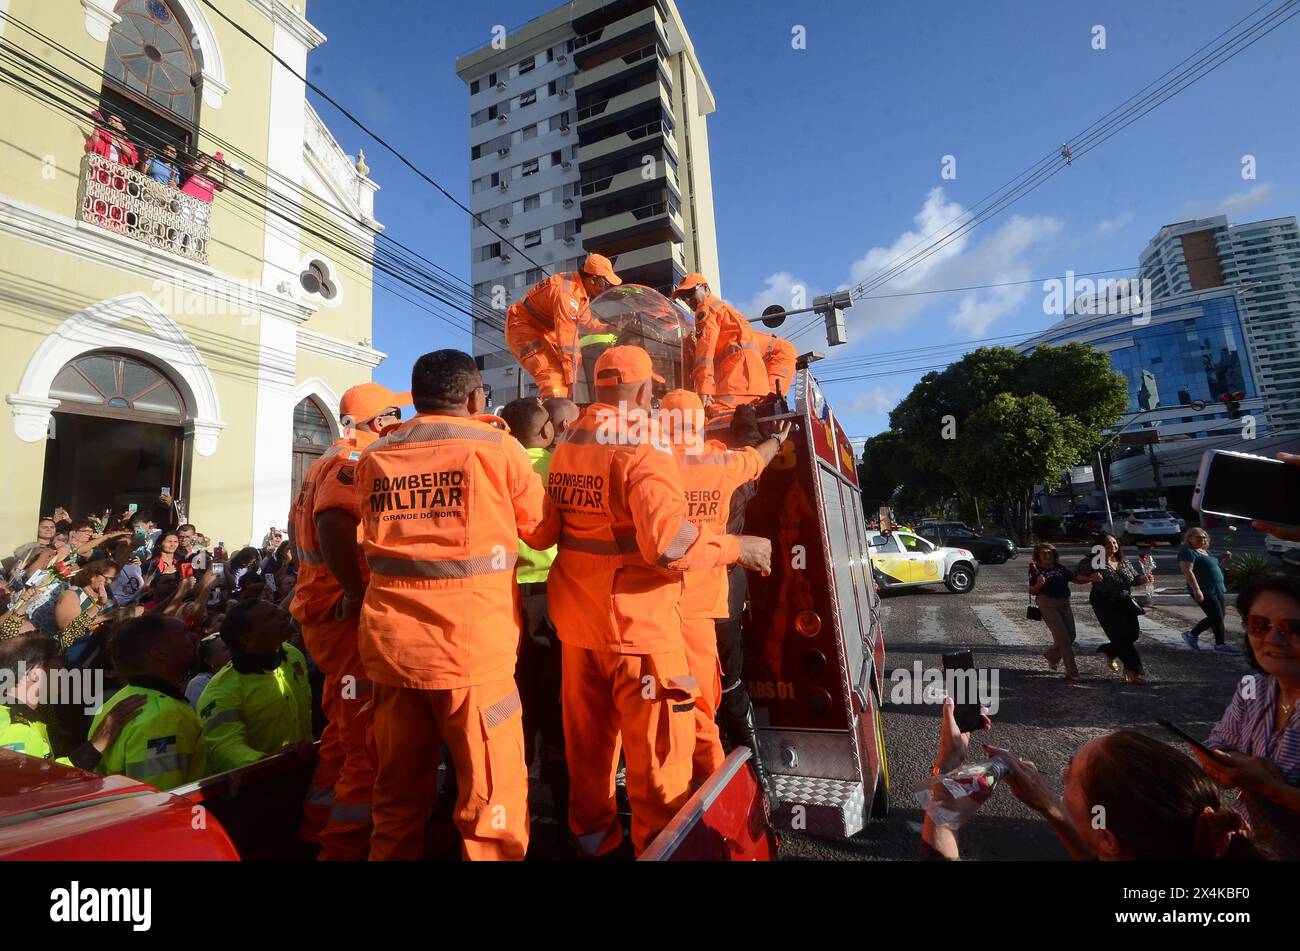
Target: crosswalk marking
point(1010, 627)
point(1002, 628)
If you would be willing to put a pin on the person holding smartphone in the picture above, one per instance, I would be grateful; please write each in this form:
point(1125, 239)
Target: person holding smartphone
point(1205, 584)
point(1256, 744)
point(1049, 585)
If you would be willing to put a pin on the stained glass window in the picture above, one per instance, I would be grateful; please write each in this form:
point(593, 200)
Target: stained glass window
point(118, 382)
point(310, 427)
point(150, 54)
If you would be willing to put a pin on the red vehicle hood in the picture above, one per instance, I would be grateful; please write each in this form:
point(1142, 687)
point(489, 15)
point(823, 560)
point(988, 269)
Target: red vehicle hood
point(30, 785)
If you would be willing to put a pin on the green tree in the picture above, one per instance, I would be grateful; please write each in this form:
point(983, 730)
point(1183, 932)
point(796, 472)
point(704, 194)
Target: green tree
point(997, 422)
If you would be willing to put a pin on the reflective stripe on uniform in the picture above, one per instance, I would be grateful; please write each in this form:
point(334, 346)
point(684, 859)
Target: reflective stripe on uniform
point(442, 568)
point(681, 543)
point(431, 432)
point(703, 459)
point(157, 765)
point(502, 710)
point(528, 306)
point(529, 350)
point(351, 813)
point(590, 339)
point(590, 842)
point(310, 556)
point(623, 545)
point(737, 347)
point(225, 716)
point(316, 796)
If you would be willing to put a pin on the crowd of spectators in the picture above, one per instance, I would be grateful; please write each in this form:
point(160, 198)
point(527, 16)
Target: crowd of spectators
point(69, 594)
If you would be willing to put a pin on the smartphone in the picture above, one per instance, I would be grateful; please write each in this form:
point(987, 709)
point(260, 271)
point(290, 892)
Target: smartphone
point(186, 570)
point(1241, 485)
point(966, 710)
point(165, 490)
point(132, 508)
point(1184, 735)
point(218, 568)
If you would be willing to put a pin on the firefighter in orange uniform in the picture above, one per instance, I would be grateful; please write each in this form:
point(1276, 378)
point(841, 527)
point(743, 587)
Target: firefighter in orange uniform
point(542, 328)
point(779, 357)
point(728, 366)
point(616, 506)
point(710, 473)
point(444, 498)
point(331, 578)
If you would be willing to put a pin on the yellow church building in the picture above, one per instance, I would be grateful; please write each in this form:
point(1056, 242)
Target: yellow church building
point(153, 335)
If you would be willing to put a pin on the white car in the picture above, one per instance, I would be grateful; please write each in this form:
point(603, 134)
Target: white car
point(1146, 525)
point(902, 559)
point(1279, 546)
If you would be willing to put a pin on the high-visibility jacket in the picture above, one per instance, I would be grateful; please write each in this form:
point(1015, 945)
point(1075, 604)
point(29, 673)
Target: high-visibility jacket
point(329, 484)
point(710, 476)
point(542, 330)
point(617, 507)
point(535, 565)
point(727, 358)
point(444, 501)
point(779, 356)
point(247, 717)
point(162, 745)
point(20, 734)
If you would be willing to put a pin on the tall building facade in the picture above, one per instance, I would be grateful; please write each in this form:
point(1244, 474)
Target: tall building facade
point(1263, 259)
point(587, 134)
point(1190, 346)
point(151, 339)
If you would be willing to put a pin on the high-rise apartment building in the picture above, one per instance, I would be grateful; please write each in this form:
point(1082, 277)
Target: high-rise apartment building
point(587, 134)
point(1263, 258)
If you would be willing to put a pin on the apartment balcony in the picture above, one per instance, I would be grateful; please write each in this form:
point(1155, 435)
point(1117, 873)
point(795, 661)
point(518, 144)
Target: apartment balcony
point(631, 178)
point(588, 46)
point(641, 137)
point(618, 65)
point(660, 220)
point(626, 102)
point(119, 199)
point(660, 252)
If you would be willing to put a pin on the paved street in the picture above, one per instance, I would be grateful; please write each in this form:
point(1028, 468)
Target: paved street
point(1039, 715)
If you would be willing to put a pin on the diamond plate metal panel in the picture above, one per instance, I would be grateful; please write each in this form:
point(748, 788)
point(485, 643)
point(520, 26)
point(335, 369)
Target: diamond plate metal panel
point(830, 808)
point(833, 755)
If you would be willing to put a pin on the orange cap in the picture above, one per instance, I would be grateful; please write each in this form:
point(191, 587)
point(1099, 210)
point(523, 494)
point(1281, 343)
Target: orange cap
point(680, 399)
point(600, 265)
point(367, 400)
point(689, 282)
point(626, 364)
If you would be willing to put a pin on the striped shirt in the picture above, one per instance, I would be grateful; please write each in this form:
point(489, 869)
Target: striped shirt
point(1247, 727)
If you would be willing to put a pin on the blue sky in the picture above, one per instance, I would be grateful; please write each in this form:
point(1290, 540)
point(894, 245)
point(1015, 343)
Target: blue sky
point(827, 161)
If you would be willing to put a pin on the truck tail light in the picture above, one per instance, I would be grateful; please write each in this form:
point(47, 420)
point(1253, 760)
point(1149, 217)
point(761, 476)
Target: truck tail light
point(808, 623)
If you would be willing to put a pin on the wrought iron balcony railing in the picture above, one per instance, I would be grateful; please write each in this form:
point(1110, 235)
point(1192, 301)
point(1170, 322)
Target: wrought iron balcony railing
point(127, 202)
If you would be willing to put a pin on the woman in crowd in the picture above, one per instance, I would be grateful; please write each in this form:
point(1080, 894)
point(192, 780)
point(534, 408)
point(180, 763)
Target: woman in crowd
point(1112, 601)
point(1158, 805)
point(1205, 584)
point(164, 561)
point(242, 569)
point(1257, 741)
point(1049, 584)
point(70, 615)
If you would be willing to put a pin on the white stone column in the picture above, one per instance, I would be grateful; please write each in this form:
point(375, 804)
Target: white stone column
point(273, 439)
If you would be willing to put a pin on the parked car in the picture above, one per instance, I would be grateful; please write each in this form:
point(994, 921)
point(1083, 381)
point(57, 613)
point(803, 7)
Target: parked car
point(1279, 546)
point(903, 560)
point(1083, 524)
point(1146, 525)
point(989, 549)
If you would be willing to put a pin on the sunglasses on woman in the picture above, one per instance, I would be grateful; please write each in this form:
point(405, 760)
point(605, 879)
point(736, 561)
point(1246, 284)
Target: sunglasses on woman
point(1259, 626)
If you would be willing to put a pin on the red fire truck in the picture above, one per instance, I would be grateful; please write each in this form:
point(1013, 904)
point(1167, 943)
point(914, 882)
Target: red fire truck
point(814, 670)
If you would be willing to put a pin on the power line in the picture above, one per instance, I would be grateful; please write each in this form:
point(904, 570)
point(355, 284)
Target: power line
point(368, 131)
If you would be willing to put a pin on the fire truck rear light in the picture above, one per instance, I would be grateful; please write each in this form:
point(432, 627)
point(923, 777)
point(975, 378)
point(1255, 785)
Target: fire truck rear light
point(808, 623)
point(820, 702)
point(813, 662)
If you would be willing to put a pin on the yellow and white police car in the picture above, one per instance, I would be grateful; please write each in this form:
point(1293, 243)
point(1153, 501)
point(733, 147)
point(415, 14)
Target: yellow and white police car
point(902, 559)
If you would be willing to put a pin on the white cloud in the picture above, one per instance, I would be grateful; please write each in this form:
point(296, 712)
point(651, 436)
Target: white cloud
point(1237, 203)
point(1002, 255)
point(878, 399)
point(1110, 226)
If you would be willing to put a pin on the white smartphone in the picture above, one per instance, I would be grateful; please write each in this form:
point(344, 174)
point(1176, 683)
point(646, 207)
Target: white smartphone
point(1242, 485)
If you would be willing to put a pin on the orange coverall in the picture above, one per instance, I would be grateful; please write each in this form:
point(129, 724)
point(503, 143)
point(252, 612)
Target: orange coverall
point(444, 500)
point(710, 476)
point(728, 363)
point(616, 506)
point(337, 807)
point(779, 356)
point(542, 331)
